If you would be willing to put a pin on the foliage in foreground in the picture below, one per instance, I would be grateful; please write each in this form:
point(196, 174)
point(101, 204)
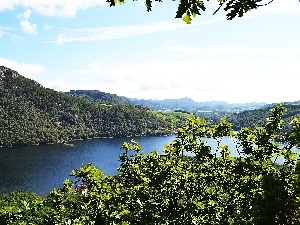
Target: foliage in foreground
point(210, 188)
point(190, 9)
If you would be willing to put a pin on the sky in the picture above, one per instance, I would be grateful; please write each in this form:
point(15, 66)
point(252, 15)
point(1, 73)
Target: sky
point(125, 50)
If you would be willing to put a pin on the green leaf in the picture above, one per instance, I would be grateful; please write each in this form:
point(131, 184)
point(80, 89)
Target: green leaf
point(124, 212)
point(186, 18)
point(293, 156)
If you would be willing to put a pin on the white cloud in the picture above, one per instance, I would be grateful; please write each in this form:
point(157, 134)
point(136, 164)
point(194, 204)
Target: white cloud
point(9, 4)
point(2, 32)
point(58, 85)
point(60, 39)
point(204, 77)
point(28, 28)
point(159, 80)
point(47, 27)
point(107, 33)
point(61, 8)
point(281, 6)
point(230, 50)
point(25, 69)
point(9, 31)
point(16, 38)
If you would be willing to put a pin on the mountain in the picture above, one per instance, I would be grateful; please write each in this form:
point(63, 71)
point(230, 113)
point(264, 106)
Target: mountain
point(31, 114)
point(211, 110)
point(252, 118)
point(99, 96)
point(188, 104)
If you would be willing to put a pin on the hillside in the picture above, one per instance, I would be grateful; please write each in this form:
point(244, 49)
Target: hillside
point(31, 114)
point(99, 96)
point(251, 118)
point(188, 104)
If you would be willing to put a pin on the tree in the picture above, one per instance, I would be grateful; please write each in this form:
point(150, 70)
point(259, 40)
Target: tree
point(191, 8)
point(212, 187)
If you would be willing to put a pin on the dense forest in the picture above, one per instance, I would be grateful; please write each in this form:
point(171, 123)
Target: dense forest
point(99, 96)
point(258, 117)
point(31, 114)
point(212, 111)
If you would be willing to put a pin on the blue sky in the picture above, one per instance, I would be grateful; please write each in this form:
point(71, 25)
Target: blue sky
point(125, 50)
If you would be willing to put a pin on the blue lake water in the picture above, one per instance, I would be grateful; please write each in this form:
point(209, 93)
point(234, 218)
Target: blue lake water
point(41, 168)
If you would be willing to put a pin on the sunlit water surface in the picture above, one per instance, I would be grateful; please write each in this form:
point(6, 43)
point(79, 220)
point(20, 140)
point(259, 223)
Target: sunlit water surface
point(41, 168)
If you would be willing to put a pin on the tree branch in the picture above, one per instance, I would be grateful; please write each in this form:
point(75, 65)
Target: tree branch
point(266, 3)
point(221, 4)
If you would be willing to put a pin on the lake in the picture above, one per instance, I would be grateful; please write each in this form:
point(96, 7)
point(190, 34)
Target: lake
point(41, 168)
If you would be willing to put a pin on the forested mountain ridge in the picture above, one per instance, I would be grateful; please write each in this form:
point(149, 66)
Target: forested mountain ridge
point(188, 104)
point(31, 114)
point(101, 97)
point(258, 117)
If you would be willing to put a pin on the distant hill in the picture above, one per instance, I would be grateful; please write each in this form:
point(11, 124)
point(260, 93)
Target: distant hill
point(101, 97)
point(240, 114)
point(183, 104)
point(31, 114)
point(211, 110)
point(188, 104)
point(251, 118)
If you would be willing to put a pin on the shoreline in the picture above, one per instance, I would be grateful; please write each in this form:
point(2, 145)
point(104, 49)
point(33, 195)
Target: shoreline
point(67, 142)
